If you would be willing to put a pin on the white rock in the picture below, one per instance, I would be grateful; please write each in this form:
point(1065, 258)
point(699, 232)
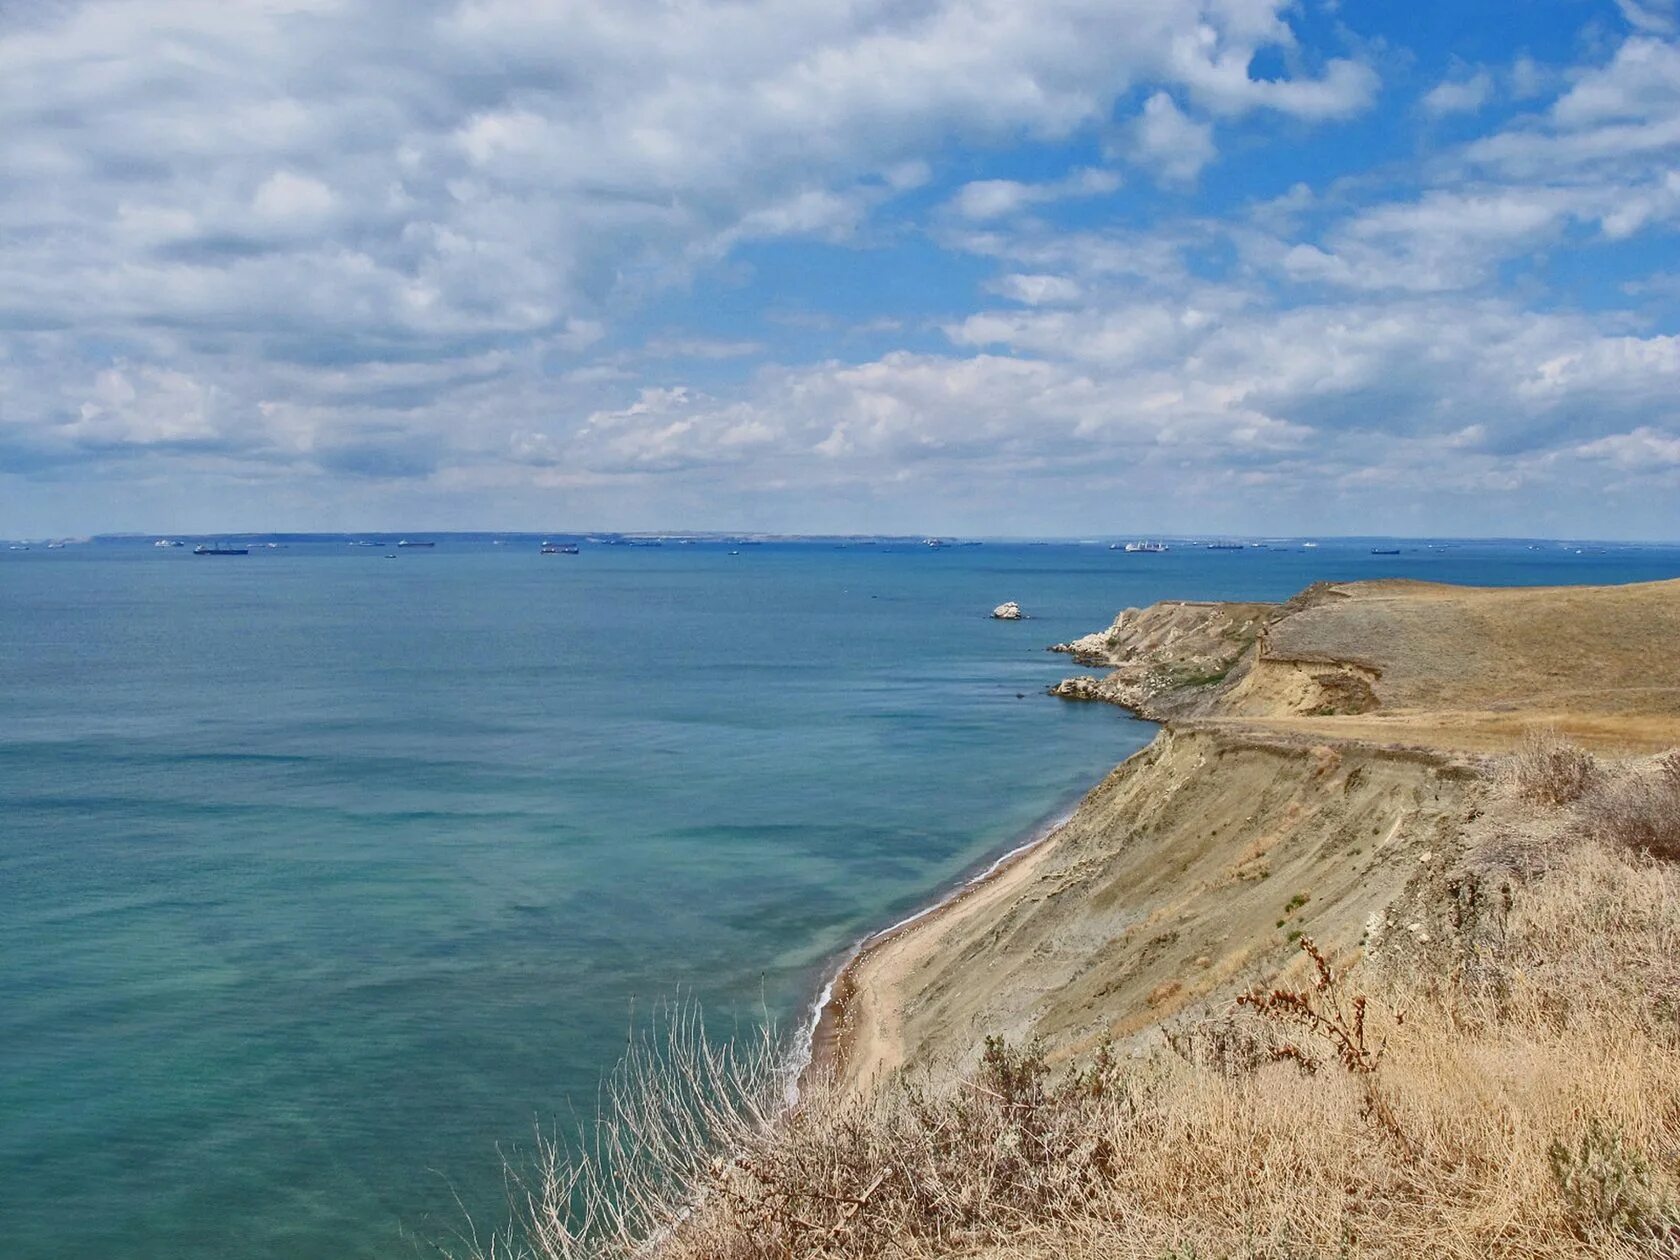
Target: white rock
point(1007, 612)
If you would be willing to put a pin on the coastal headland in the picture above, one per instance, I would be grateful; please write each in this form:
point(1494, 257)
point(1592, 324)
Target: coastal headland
point(1319, 771)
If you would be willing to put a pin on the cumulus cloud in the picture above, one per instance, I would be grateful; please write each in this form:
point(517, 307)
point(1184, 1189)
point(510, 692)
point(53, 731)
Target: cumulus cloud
point(1343, 397)
point(1459, 96)
point(225, 191)
point(1174, 144)
point(473, 246)
point(1597, 163)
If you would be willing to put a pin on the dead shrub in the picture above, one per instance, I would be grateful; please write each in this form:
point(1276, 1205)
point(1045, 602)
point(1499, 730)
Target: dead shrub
point(1639, 808)
point(1231, 1044)
point(1549, 770)
point(1336, 1019)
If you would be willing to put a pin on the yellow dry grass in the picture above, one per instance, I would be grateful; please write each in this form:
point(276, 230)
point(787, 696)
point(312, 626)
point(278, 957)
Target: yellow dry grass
point(1475, 667)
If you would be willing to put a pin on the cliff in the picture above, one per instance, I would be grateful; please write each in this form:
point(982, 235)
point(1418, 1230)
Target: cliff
point(1420, 663)
point(1324, 761)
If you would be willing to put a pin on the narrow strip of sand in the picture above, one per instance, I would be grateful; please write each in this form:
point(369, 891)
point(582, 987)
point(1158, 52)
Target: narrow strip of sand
point(855, 1037)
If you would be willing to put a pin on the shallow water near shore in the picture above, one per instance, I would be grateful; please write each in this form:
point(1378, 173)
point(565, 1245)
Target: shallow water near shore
point(326, 874)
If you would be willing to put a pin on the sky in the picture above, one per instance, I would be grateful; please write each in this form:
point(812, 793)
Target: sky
point(984, 267)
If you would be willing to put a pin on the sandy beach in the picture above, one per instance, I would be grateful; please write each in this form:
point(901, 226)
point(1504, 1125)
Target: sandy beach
point(852, 1037)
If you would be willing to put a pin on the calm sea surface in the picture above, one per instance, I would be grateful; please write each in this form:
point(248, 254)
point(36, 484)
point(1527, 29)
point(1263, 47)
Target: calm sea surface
point(323, 874)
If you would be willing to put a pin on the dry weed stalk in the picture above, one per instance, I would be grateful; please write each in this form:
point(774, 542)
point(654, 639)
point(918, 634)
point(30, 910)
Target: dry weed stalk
point(675, 1103)
point(1326, 1011)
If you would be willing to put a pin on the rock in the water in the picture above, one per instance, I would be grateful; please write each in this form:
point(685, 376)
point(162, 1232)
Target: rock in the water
point(1086, 687)
point(1007, 612)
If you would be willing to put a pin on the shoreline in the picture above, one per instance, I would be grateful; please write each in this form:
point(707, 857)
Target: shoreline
point(820, 1050)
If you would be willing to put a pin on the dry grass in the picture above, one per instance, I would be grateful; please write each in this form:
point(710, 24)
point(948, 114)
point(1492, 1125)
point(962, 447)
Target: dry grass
point(676, 1101)
point(1547, 1127)
point(1549, 770)
point(1639, 807)
point(1527, 1105)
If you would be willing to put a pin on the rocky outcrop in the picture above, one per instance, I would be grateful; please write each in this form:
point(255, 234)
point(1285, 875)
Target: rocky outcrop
point(1010, 611)
point(1166, 658)
point(1086, 687)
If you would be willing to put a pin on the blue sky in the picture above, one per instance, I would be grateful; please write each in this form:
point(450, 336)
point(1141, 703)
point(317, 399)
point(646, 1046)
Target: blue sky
point(954, 266)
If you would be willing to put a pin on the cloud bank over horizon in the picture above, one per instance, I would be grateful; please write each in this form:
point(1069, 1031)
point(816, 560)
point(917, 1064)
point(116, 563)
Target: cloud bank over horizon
point(948, 266)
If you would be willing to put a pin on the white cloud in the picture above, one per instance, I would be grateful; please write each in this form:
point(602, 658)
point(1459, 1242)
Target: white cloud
point(1615, 120)
point(219, 190)
point(1459, 96)
point(292, 202)
point(353, 239)
point(1175, 145)
point(1037, 290)
point(140, 405)
point(1641, 80)
point(1527, 78)
point(1641, 449)
point(1600, 161)
point(1656, 16)
point(1322, 399)
point(1216, 73)
point(700, 348)
point(999, 198)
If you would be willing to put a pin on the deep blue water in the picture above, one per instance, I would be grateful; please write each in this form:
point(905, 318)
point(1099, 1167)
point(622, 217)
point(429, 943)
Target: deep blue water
point(322, 874)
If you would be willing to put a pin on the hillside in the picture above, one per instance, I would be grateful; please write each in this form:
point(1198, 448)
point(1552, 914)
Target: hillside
point(1322, 760)
point(1408, 662)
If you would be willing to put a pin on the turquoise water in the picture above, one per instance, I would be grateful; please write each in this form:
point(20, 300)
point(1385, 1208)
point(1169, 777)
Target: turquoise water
point(324, 874)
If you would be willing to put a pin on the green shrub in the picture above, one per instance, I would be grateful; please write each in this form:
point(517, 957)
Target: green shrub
point(1606, 1186)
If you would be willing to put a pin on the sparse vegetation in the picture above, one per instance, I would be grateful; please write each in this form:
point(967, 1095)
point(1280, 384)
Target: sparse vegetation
point(1639, 807)
point(1608, 1190)
point(1547, 769)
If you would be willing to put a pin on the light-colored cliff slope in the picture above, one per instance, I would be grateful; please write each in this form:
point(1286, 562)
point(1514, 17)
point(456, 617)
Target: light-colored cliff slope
point(1322, 760)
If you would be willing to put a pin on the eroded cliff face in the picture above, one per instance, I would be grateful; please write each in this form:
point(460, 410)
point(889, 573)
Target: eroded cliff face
point(1321, 767)
point(1183, 878)
point(1166, 658)
point(1181, 659)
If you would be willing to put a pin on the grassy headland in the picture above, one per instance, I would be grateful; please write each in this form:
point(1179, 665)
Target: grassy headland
point(1375, 951)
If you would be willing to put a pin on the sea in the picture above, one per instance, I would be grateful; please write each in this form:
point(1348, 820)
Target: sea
point(330, 874)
